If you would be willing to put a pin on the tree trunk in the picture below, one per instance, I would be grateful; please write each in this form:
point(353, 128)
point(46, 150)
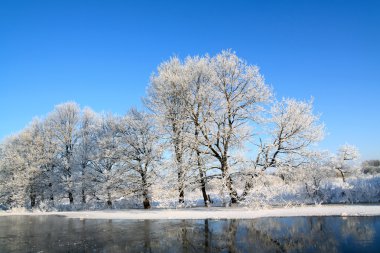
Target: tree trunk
point(71, 198)
point(229, 183)
point(109, 201)
point(342, 174)
point(83, 184)
point(247, 187)
point(181, 191)
point(199, 162)
point(68, 170)
point(233, 193)
point(203, 182)
point(83, 196)
point(32, 200)
point(181, 199)
point(203, 189)
point(51, 192)
point(178, 149)
point(146, 202)
point(51, 171)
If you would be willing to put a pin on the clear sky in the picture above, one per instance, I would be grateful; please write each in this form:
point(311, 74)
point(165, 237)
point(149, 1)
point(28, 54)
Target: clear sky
point(102, 53)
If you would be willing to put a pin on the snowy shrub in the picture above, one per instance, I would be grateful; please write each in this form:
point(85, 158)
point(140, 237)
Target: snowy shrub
point(371, 167)
point(268, 193)
point(46, 206)
point(269, 190)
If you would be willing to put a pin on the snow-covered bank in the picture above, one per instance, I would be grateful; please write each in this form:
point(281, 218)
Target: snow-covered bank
point(216, 213)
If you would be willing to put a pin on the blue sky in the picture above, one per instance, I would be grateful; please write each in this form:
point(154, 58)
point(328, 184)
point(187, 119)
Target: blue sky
point(102, 53)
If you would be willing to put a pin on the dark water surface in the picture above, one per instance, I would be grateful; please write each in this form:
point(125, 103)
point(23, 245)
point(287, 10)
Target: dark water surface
point(296, 234)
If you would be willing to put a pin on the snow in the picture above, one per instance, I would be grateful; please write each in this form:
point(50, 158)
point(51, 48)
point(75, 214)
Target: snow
point(215, 213)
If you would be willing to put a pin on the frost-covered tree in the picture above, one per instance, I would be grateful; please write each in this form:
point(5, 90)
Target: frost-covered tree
point(312, 174)
point(211, 98)
point(371, 167)
point(343, 161)
point(49, 161)
point(165, 100)
point(64, 121)
point(198, 77)
point(22, 160)
point(85, 152)
point(108, 174)
point(292, 128)
point(4, 193)
point(239, 91)
point(141, 152)
point(32, 140)
point(13, 185)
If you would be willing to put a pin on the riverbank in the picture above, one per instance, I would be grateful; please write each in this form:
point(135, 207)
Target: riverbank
point(215, 212)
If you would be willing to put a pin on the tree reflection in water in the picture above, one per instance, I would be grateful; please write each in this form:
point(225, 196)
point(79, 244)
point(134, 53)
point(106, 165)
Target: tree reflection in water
point(297, 234)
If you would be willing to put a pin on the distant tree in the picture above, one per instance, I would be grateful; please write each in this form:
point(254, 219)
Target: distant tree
point(371, 167)
point(342, 162)
point(375, 163)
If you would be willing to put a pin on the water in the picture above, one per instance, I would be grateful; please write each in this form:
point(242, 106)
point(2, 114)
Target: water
point(296, 234)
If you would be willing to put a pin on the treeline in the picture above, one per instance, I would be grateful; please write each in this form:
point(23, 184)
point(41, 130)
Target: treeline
point(371, 167)
point(206, 118)
point(80, 155)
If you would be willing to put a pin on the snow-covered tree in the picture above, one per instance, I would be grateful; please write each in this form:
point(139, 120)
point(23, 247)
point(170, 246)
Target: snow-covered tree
point(165, 100)
point(141, 152)
point(292, 129)
point(108, 174)
point(343, 161)
point(213, 99)
point(13, 185)
point(85, 152)
point(312, 174)
point(22, 159)
point(198, 76)
point(239, 91)
point(64, 121)
point(4, 176)
point(371, 167)
point(49, 161)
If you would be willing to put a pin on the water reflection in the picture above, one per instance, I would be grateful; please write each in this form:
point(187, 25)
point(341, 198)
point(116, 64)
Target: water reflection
point(299, 234)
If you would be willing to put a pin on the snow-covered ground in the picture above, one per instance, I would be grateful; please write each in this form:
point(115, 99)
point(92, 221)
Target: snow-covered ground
point(216, 213)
